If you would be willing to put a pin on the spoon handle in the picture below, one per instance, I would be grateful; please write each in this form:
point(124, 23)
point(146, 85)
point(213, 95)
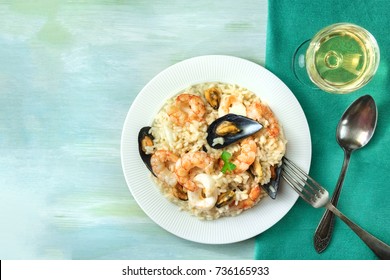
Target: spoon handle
point(324, 230)
point(381, 249)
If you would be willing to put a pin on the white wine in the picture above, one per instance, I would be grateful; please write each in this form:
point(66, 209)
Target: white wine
point(342, 58)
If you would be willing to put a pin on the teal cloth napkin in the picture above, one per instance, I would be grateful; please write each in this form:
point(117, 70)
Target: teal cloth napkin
point(365, 197)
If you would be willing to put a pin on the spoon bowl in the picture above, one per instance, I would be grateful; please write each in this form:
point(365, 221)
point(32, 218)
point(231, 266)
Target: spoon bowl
point(355, 129)
point(358, 123)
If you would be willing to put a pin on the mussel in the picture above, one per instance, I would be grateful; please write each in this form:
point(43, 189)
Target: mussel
point(273, 185)
point(230, 129)
point(225, 198)
point(178, 192)
point(145, 139)
point(213, 97)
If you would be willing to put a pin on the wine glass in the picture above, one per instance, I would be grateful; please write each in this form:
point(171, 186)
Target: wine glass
point(340, 58)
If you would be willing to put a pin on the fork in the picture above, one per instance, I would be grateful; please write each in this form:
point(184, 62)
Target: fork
point(314, 194)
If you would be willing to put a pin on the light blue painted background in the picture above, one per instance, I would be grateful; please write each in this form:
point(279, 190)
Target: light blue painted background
point(69, 71)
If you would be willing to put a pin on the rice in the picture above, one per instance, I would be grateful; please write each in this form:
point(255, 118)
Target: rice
point(190, 138)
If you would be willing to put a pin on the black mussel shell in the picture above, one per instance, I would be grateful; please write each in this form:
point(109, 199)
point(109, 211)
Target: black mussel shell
point(144, 132)
point(225, 198)
point(273, 185)
point(245, 125)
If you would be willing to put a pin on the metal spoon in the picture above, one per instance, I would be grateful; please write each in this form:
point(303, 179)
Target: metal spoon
point(354, 131)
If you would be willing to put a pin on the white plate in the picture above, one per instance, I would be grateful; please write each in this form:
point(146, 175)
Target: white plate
point(210, 69)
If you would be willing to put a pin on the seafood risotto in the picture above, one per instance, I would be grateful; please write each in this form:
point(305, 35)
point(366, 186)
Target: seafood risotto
point(212, 147)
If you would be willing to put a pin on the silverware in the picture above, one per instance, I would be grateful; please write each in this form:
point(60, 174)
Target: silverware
point(314, 194)
point(354, 131)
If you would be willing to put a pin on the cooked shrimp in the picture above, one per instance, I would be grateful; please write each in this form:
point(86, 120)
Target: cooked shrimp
point(189, 165)
point(163, 164)
point(260, 112)
point(231, 104)
point(187, 108)
point(246, 156)
point(206, 185)
point(253, 197)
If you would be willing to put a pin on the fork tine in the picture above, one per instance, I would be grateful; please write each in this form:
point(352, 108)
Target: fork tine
point(303, 174)
point(294, 184)
point(310, 182)
point(302, 183)
point(297, 183)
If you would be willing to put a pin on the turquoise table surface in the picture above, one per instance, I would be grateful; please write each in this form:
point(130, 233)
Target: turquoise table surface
point(69, 71)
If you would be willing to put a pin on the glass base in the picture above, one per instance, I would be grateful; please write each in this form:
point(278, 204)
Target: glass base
point(299, 65)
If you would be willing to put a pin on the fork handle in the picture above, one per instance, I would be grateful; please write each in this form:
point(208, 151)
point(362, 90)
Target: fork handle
point(381, 249)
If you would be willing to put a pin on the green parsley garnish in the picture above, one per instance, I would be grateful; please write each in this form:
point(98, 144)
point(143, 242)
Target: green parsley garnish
point(228, 166)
